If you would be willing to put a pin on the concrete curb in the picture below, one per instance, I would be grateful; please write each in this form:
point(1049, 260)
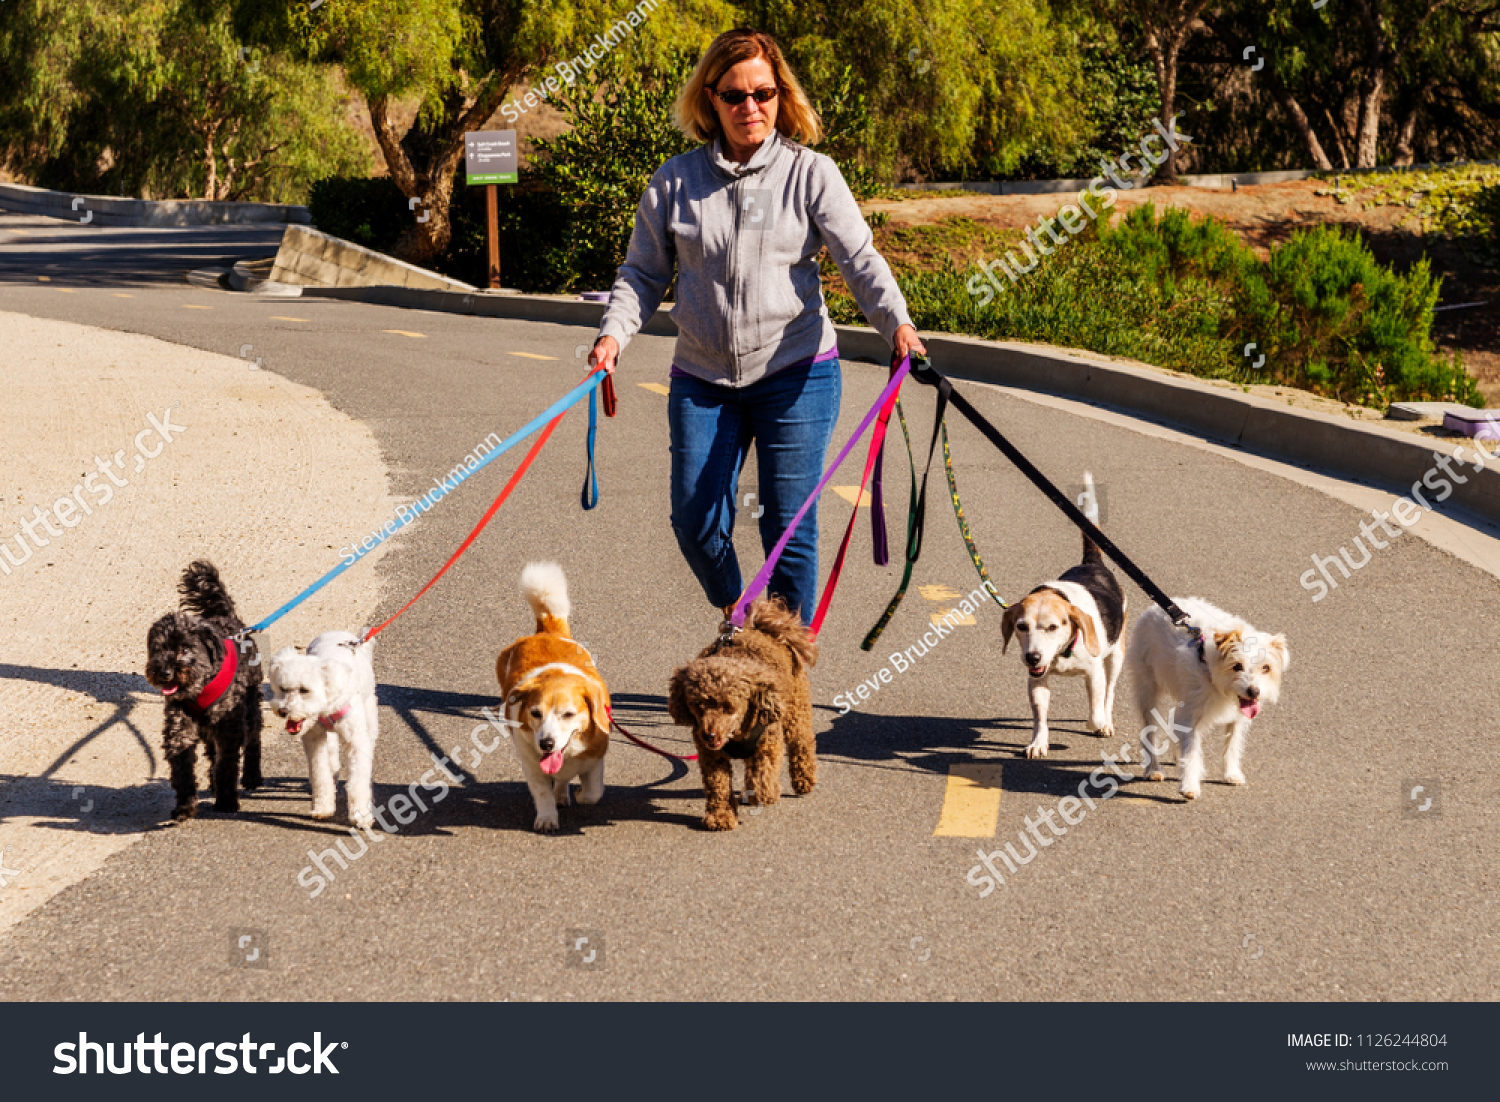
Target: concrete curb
point(1357, 451)
point(311, 258)
point(105, 210)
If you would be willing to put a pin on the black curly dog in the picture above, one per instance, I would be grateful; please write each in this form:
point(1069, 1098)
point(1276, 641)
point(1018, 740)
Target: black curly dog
point(185, 650)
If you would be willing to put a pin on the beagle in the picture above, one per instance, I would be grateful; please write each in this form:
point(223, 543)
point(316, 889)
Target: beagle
point(556, 704)
point(1073, 625)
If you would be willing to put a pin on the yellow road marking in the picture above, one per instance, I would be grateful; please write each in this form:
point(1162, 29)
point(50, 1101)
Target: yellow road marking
point(67, 290)
point(195, 306)
point(848, 493)
point(654, 388)
point(404, 333)
point(44, 279)
point(531, 355)
point(939, 592)
point(962, 618)
point(120, 294)
point(279, 317)
point(971, 803)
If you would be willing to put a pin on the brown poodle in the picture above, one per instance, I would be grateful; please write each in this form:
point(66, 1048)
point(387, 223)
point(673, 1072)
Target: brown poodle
point(744, 698)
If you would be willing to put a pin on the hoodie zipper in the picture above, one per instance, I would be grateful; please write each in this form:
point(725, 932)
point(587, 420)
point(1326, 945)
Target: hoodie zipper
point(734, 249)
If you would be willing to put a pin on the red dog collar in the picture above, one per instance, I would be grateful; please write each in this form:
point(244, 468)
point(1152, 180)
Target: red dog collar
point(333, 717)
point(219, 684)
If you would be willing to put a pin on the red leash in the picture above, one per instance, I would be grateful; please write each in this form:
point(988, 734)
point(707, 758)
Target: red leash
point(484, 520)
point(644, 745)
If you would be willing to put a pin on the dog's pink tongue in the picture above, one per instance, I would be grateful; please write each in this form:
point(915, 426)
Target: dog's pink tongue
point(1250, 708)
point(552, 762)
point(168, 690)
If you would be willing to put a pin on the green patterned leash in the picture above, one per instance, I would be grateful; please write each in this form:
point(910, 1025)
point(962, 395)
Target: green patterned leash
point(914, 518)
point(963, 524)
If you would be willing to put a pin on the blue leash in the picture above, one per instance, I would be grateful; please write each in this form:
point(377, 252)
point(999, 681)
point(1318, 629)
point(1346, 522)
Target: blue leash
point(590, 496)
point(567, 401)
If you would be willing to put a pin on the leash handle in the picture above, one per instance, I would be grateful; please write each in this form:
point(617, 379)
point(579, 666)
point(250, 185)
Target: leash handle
point(916, 517)
point(590, 495)
point(872, 462)
point(762, 579)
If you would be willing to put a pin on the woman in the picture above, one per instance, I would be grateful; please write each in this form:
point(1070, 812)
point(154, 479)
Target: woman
point(742, 218)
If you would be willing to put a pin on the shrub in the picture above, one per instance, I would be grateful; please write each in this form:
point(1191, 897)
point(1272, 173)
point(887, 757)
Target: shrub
point(1190, 296)
point(370, 211)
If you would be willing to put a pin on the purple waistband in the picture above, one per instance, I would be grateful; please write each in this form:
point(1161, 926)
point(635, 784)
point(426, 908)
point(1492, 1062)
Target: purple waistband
point(800, 365)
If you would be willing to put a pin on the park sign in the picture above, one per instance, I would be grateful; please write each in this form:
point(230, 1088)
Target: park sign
point(490, 157)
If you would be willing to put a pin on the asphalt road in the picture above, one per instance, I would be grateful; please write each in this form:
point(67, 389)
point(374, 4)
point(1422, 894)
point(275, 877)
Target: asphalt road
point(1317, 881)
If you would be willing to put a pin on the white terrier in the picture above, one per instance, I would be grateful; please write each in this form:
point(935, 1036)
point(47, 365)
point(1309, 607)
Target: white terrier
point(1217, 689)
point(327, 696)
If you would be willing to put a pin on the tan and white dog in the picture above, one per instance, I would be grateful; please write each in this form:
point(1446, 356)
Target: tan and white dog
point(1074, 625)
point(556, 703)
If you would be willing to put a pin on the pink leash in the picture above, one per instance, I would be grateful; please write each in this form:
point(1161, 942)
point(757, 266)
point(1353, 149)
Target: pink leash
point(882, 410)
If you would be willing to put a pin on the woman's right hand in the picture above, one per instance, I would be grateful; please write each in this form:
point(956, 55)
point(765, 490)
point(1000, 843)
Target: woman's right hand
point(606, 350)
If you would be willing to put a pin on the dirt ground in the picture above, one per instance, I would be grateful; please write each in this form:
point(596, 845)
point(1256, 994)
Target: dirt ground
point(1265, 215)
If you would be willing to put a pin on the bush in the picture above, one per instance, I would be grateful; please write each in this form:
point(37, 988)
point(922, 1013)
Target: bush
point(368, 211)
point(1190, 296)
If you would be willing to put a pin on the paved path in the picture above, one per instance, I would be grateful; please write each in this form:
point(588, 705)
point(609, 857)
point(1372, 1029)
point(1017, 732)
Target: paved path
point(1308, 883)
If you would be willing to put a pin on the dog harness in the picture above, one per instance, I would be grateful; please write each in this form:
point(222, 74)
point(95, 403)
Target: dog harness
point(744, 747)
point(219, 684)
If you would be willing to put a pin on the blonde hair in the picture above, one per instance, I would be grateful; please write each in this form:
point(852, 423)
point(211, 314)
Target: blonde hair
point(795, 116)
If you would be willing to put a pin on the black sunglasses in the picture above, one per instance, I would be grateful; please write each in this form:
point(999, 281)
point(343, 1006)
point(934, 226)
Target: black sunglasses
point(734, 97)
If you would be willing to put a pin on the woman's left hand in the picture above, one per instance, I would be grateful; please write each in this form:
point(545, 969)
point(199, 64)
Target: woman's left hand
point(908, 342)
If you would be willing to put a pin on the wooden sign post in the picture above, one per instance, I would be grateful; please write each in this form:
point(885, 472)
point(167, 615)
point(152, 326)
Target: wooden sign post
point(490, 158)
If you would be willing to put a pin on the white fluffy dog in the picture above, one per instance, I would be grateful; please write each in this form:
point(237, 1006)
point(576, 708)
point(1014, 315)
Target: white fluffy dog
point(328, 696)
point(1217, 689)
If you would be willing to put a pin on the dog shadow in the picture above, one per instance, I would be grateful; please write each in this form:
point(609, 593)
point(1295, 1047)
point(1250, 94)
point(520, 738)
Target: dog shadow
point(888, 742)
point(506, 805)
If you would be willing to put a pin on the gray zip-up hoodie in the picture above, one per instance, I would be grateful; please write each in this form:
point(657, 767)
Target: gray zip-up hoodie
point(744, 240)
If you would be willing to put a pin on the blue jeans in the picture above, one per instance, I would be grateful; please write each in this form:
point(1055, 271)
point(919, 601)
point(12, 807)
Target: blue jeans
point(790, 416)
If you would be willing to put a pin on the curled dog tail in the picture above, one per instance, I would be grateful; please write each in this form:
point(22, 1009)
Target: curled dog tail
point(203, 592)
point(546, 591)
point(1089, 503)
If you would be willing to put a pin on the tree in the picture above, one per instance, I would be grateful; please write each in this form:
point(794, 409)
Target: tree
point(157, 98)
point(1350, 81)
point(1164, 27)
point(461, 59)
point(949, 86)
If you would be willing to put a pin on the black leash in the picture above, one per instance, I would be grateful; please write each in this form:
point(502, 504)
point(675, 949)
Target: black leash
point(923, 371)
